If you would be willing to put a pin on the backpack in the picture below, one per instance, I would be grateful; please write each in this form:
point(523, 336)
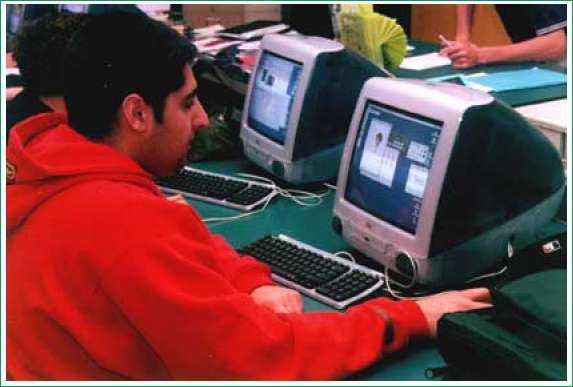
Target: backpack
point(524, 336)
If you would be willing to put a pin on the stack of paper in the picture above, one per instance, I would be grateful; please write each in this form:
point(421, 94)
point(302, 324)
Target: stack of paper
point(214, 45)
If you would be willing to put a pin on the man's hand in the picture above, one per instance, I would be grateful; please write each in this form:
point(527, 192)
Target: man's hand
point(10, 61)
point(462, 54)
point(177, 199)
point(278, 299)
point(434, 307)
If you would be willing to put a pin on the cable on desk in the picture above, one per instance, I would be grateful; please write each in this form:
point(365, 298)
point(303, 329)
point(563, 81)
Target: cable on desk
point(416, 296)
point(399, 295)
point(346, 255)
point(240, 216)
point(330, 186)
point(302, 198)
point(487, 275)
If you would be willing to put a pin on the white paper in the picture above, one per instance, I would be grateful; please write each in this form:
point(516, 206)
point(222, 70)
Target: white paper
point(250, 46)
point(200, 33)
point(214, 45)
point(424, 62)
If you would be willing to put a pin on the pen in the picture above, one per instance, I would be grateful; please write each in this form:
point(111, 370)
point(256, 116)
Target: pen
point(444, 41)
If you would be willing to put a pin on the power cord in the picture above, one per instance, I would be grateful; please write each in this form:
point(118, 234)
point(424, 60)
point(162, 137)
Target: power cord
point(346, 255)
point(302, 198)
point(395, 294)
point(240, 216)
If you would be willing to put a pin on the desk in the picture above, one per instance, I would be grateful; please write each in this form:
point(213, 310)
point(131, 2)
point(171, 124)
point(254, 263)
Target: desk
point(513, 98)
point(312, 225)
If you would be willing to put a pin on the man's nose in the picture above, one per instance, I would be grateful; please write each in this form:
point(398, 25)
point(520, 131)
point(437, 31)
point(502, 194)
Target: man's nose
point(200, 119)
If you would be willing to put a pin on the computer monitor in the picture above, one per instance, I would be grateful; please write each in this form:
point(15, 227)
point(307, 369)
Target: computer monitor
point(440, 183)
point(299, 104)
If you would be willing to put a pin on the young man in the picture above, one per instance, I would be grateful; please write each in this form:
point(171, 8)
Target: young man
point(538, 33)
point(39, 50)
point(106, 279)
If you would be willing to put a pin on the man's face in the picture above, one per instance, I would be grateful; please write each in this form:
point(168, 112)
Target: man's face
point(170, 140)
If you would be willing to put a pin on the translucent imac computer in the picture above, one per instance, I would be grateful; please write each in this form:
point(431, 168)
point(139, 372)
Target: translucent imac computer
point(299, 105)
point(439, 182)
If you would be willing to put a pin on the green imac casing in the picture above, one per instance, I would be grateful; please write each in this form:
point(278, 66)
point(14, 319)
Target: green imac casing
point(440, 182)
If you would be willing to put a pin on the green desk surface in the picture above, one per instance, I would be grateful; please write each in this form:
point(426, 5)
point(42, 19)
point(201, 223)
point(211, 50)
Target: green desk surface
point(512, 98)
point(310, 225)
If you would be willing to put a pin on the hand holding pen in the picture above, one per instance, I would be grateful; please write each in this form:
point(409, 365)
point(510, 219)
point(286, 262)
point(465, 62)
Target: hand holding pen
point(462, 54)
point(444, 42)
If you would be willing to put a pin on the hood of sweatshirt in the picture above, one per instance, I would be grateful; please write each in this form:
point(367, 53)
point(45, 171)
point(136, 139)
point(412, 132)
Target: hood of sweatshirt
point(45, 156)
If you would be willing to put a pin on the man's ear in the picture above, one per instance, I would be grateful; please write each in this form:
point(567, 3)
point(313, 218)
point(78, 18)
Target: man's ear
point(137, 113)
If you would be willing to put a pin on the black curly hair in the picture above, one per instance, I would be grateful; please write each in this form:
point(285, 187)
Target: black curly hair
point(117, 54)
point(39, 51)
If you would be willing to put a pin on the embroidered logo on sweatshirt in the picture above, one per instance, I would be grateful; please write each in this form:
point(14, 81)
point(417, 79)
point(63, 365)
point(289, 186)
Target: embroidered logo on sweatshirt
point(10, 173)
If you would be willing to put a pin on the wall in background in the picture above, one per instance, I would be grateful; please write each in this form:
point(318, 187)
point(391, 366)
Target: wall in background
point(427, 20)
point(430, 20)
point(229, 15)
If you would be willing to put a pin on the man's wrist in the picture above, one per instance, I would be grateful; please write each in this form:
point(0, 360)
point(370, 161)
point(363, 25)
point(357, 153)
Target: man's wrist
point(262, 287)
point(483, 55)
point(462, 37)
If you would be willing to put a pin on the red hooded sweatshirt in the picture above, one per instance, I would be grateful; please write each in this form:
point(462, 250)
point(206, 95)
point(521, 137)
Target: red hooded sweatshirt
point(106, 279)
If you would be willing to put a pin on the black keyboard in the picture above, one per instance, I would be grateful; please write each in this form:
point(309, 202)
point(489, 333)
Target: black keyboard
point(316, 273)
point(219, 189)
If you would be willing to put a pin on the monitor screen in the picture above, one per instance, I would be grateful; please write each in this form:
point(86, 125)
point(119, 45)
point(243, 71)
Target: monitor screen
point(276, 82)
point(390, 164)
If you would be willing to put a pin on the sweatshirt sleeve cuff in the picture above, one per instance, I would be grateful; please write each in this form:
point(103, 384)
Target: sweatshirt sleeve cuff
point(253, 276)
point(418, 325)
point(407, 321)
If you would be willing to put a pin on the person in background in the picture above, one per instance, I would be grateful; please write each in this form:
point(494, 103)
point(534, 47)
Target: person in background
point(108, 280)
point(538, 33)
point(38, 52)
